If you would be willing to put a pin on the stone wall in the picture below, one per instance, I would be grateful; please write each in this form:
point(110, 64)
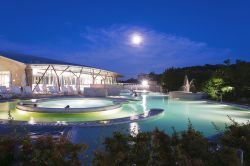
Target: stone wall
point(95, 92)
point(29, 76)
point(186, 95)
point(112, 89)
point(152, 88)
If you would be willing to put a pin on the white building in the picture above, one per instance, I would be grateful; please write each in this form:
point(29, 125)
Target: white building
point(26, 70)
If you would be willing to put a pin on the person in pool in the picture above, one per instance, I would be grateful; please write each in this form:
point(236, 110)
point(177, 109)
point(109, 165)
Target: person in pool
point(135, 94)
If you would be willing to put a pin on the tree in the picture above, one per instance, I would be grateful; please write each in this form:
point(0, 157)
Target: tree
point(189, 148)
point(215, 88)
point(238, 136)
point(22, 150)
point(227, 62)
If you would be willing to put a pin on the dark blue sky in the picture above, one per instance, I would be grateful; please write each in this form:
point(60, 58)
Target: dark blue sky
point(96, 32)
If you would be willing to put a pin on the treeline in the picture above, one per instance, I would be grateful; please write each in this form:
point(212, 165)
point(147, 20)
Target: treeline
point(230, 80)
point(172, 79)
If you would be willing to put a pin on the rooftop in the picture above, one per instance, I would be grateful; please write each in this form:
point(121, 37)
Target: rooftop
point(40, 62)
point(30, 59)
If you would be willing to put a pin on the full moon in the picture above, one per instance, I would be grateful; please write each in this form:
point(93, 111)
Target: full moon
point(136, 39)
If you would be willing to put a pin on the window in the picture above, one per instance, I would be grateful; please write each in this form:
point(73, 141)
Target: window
point(5, 78)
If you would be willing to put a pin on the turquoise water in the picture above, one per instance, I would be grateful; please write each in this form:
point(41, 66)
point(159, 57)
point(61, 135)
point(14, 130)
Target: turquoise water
point(177, 112)
point(75, 103)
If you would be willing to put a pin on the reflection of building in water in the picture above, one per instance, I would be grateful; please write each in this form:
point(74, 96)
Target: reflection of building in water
point(31, 121)
point(144, 103)
point(134, 129)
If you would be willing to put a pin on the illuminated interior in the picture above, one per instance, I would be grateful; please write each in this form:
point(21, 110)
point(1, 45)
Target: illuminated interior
point(70, 75)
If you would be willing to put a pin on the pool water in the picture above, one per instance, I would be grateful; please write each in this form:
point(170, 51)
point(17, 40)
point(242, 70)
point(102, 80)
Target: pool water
point(177, 112)
point(75, 103)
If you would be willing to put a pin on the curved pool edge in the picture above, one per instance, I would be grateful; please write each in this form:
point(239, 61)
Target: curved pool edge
point(106, 122)
point(230, 104)
point(31, 107)
point(240, 106)
point(66, 110)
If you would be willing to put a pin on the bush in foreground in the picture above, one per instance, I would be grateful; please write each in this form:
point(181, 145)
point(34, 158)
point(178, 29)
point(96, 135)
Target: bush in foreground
point(188, 148)
point(22, 150)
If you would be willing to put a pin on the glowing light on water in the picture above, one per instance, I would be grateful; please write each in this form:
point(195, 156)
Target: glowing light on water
point(134, 129)
point(196, 102)
point(75, 103)
point(144, 102)
point(31, 121)
point(134, 117)
point(105, 121)
point(63, 122)
point(146, 113)
point(215, 105)
point(33, 100)
point(109, 111)
point(21, 112)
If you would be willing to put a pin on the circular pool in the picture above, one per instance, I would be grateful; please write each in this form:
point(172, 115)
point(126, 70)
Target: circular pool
point(70, 105)
point(176, 114)
point(75, 102)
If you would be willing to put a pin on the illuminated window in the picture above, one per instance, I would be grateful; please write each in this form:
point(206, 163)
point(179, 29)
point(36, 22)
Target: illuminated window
point(5, 78)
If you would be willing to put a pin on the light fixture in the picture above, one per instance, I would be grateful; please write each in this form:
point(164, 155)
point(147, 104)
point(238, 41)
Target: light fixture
point(144, 83)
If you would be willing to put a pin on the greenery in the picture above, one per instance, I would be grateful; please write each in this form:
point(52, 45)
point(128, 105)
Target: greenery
point(172, 79)
point(186, 148)
point(189, 147)
point(214, 88)
point(22, 150)
point(232, 81)
point(238, 136)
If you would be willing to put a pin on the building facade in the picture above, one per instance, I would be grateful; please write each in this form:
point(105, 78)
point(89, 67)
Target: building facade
point(25, 70)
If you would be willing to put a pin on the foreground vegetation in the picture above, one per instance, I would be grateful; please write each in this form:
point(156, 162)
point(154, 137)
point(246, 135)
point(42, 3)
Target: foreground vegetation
point(22, 150)
point(189, 147)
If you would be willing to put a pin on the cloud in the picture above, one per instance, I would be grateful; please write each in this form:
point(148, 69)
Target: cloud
point(37, 50)
point(111, 48)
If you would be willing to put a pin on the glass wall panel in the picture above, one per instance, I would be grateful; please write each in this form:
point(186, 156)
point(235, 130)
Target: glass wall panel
point(67, 78)
point(5, 78)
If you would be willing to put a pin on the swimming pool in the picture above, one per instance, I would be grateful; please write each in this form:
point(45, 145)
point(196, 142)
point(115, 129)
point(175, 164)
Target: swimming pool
point(75, 103)
point(176, 114)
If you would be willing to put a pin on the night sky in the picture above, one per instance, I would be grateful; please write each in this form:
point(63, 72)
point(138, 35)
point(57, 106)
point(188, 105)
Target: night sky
point(98, 32)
